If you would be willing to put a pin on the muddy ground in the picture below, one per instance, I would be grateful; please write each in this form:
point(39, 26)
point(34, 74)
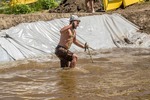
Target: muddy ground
point(137, 13)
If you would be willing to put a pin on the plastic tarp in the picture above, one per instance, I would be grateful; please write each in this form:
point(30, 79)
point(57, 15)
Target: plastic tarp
point(40, 38)
point(13, 2)
point(114, 4)
point(129, 2)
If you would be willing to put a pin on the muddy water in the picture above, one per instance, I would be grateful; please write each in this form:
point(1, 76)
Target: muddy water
point(117, 74)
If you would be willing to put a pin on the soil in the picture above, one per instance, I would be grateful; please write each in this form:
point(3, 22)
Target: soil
point(137, 13)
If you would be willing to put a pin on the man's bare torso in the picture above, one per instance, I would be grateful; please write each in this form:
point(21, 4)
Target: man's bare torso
point(67, 38)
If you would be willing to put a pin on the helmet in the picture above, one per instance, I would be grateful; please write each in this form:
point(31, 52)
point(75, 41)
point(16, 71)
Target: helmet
point(74, 17)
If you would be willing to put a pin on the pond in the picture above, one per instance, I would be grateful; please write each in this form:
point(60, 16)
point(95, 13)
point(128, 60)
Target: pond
point(116, 74)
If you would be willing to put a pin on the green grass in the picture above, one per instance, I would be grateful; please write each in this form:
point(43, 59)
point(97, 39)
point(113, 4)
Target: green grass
point(30, 8)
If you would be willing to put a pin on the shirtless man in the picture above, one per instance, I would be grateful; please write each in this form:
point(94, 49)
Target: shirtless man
point(68, 36)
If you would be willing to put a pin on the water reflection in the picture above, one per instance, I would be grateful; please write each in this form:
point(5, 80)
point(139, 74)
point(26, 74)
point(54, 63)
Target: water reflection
point(67, 83)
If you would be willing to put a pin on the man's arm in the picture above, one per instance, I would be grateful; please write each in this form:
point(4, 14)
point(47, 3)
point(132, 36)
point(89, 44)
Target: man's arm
point(76, 42)
point(64, 29)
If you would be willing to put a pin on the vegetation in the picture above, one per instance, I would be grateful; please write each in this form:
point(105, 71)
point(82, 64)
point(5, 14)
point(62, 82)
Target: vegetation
point(47, 4)
point(6, 8)
point(20, 8)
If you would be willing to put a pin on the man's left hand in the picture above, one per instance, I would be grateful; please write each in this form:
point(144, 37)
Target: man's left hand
point(86, 46)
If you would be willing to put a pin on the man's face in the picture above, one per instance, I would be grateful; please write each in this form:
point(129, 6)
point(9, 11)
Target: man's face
point(76, 22)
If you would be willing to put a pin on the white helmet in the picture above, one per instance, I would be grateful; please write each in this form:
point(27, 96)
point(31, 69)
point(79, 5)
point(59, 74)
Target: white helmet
point(74, 17)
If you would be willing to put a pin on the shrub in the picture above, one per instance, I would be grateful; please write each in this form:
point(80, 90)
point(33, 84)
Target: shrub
point(3, 6)
point(24, 8)
point(36, 6)
point(47, 4)
point(20, 9)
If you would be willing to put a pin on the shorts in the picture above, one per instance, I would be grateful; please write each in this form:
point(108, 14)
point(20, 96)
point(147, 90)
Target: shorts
point(64, 55)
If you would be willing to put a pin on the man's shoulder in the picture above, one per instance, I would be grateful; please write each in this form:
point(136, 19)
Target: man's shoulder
point(66, 31)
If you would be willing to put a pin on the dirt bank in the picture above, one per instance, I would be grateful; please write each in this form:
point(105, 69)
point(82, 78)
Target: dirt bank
point(137, 13)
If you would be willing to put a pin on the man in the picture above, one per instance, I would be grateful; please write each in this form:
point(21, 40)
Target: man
point(68, 36)
point(89, 4)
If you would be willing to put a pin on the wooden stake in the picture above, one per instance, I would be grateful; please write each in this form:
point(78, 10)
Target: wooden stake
point(90, 55)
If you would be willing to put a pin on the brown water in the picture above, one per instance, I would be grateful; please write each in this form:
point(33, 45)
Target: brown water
point(117, 74)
